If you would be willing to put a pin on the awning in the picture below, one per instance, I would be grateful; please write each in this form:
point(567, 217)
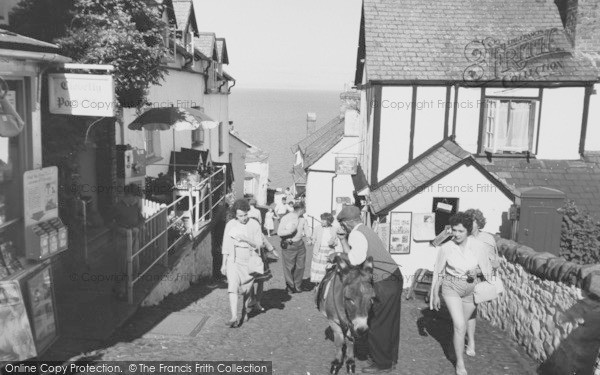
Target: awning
point(173, 118)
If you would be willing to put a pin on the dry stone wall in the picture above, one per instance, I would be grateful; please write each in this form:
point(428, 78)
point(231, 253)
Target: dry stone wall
point(551, 307)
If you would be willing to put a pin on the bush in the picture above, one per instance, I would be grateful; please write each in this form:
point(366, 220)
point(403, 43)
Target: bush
point(580, 236)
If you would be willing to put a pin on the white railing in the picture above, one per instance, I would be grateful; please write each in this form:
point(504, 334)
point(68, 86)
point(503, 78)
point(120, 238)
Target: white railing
point(153, 243)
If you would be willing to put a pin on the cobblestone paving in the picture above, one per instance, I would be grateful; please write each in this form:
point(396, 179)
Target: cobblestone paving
point(291, 333)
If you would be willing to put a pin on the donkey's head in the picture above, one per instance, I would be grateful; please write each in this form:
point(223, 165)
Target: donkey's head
point(358, 293)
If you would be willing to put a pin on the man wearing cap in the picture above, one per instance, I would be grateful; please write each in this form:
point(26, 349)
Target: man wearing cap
point(292, 230)
point(384, 322)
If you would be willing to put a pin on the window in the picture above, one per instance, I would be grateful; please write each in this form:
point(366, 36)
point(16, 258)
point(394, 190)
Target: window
point(509, 125)
point(198, 137)
point(13, 163)
point(152, 143)
point(221, 139)
point(443, 208)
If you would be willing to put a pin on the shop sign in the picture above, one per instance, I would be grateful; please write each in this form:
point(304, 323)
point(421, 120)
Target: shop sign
point(346, 165)
point(82, 94)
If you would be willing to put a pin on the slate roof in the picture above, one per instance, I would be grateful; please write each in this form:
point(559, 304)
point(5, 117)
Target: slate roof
point(183, 9)
point(205, 43)
point(320, 132)
point(222, 51)
point(14, 41)
point(409, 180)
point(321, 141)
point(427, 40)
point(578, 179)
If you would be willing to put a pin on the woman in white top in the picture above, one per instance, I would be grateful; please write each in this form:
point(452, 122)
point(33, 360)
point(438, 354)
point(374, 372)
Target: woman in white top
point(490, 242)
point(324, 242)
point(240, 238)
point(456, 267)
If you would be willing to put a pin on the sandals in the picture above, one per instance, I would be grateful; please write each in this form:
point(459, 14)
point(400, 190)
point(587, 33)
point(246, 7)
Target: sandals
point(461, 371)
point(233, 323)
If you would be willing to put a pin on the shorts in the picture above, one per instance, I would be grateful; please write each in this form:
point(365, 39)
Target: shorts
point(458, 288)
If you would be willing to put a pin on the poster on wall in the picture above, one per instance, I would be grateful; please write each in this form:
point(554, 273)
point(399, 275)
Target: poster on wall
point(423, 227)
point(40, 195)
point(41, 308)
point(15, 332)
point(400, 227)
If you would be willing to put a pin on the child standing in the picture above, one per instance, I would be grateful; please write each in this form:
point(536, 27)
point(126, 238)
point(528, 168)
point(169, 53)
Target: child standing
point(325, 240)
point(269, 222)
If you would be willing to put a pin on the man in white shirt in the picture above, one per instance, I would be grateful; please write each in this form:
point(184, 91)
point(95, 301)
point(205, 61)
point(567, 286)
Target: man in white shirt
point(384, 325)
point(281, 210)
point(292, 230)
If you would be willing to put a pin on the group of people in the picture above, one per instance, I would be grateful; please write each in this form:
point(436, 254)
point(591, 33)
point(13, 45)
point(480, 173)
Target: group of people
point(469, 258)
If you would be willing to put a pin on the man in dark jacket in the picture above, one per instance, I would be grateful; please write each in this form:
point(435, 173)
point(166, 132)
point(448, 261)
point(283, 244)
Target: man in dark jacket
point(384, 321)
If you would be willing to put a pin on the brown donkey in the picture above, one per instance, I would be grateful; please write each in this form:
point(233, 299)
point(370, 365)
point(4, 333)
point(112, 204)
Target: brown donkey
point(345, 298)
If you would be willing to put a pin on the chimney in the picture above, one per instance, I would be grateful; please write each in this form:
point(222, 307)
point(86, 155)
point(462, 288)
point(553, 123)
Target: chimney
point(349, 107)
point(581, 19)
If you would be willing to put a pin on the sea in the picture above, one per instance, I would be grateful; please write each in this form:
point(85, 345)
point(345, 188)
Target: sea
point(275, 120)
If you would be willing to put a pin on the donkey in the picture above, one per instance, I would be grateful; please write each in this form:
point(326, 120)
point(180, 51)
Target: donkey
point(345, 297)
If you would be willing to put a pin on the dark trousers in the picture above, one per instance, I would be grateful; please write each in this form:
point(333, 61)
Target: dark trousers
point(294, 260)
point(384, 323)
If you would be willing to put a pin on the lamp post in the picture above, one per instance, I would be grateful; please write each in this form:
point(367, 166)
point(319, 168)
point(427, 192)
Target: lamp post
point(310, 117)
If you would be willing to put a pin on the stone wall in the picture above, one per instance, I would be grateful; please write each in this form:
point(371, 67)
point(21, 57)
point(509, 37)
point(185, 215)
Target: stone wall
point(551, 307)
point(194, 264)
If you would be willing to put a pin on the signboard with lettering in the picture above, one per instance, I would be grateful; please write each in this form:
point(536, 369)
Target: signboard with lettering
point(82, 94)
point(346, 165)
point(40, 189)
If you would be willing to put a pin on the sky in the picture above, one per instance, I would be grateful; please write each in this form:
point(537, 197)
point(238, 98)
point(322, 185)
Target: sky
point(286, 44)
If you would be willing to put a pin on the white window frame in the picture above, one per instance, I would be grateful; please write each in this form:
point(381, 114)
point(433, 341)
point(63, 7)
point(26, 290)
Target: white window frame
point(491, 126)
point(152, 143)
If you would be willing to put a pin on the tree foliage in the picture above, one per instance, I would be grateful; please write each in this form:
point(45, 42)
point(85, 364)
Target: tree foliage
point(580, 236)
point(124, 33)
point(42, 19)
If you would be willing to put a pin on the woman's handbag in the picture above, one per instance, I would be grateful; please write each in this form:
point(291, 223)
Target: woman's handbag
point(488, 290)
point(255, 264)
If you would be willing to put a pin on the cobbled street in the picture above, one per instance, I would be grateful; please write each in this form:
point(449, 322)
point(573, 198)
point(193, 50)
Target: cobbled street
point(292, 334)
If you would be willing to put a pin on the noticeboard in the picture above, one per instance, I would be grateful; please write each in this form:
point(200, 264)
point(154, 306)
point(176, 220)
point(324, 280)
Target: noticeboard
point(40, 195)
point(41, 307)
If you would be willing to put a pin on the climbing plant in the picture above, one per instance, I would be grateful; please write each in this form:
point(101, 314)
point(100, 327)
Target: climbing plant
point(580, 235)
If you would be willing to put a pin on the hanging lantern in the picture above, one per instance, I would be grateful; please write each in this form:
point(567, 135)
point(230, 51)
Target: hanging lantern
point(11, 124)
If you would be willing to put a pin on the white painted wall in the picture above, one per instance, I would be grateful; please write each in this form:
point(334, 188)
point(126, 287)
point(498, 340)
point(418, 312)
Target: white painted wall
point(347, 146)
point(262, 169)
point(560, 126)
point(467, 118)
point(217, 107)
point(592, 140)
point(473, 190)
point(318, 193)
point(394, 137)
point(180, 89)
point(429, 118)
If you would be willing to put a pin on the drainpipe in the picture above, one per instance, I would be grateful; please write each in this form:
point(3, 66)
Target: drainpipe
point(206, 77)
point(230, 87)
point(332, 178)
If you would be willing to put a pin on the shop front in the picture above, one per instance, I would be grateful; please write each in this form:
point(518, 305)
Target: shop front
point(31, 232)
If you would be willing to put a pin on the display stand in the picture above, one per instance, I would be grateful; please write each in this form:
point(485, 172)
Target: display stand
point(45, 234)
